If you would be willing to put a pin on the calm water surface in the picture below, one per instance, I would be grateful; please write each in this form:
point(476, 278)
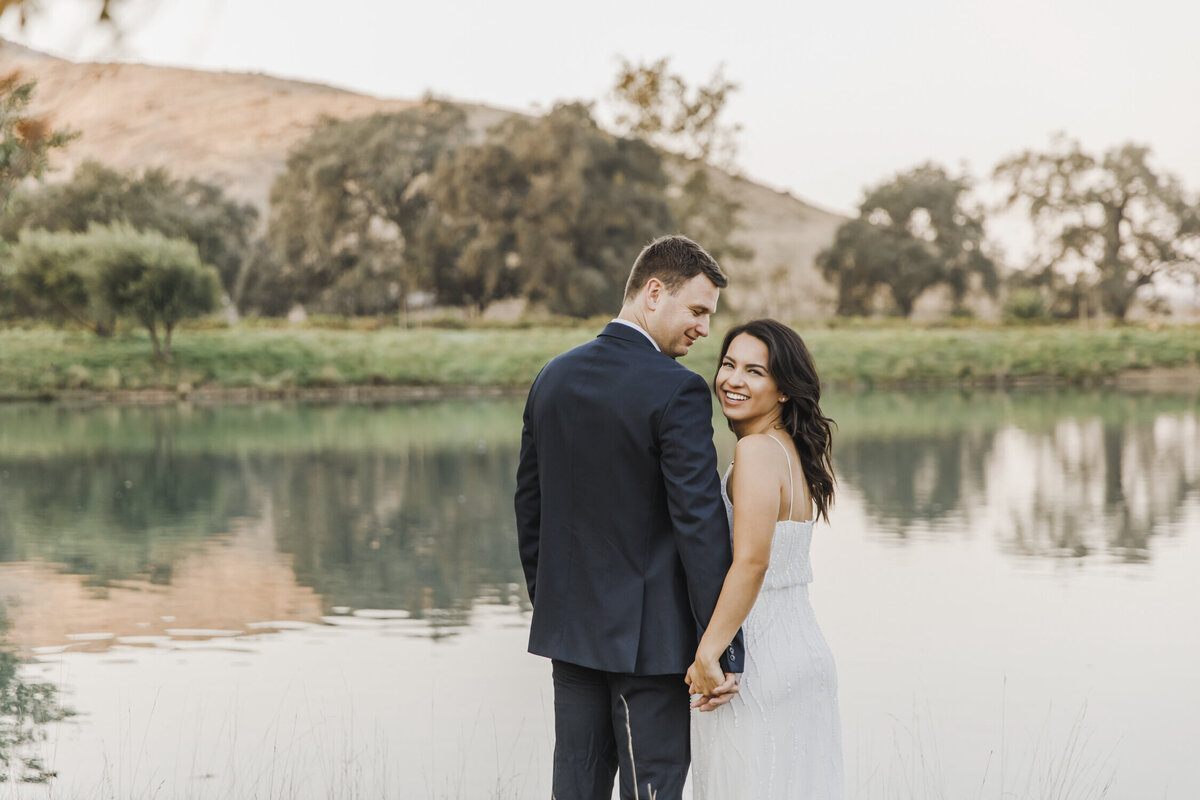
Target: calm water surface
point(284, 601)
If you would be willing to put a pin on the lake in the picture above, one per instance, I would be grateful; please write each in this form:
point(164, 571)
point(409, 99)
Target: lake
point(325, 601)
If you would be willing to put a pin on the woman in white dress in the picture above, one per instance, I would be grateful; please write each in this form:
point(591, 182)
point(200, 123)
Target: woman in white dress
point(780, 736)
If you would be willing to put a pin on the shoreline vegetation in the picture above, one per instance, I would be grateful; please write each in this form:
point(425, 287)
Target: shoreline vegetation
point(360, 360)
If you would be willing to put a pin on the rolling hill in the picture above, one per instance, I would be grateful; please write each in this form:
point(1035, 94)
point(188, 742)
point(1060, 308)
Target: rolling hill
point(235, 130)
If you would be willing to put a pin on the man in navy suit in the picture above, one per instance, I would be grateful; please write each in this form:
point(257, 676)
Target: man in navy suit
point(622, 531)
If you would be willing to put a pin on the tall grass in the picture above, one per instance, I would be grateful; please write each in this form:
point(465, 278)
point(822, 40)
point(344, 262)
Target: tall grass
point(1048, 767)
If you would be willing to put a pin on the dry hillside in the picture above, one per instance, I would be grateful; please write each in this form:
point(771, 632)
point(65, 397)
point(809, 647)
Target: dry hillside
point(235, 130)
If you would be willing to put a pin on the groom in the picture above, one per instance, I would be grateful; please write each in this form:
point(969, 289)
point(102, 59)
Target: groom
point(622, 531)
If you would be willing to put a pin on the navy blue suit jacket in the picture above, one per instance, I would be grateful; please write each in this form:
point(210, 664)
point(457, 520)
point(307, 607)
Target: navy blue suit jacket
point(622, 532)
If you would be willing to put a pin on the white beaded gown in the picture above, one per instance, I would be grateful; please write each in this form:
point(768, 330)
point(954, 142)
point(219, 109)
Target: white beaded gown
point(780, 737)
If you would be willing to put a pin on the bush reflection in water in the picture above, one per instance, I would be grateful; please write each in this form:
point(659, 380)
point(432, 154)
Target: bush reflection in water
point(1059, 474)
point(397, 508)
point(408, 508)
point(26, 707)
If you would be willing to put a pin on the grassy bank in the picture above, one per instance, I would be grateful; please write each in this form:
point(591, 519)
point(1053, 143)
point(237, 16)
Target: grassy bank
point(281, 360)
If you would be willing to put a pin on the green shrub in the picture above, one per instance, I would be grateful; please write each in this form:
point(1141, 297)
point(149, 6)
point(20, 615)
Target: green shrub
point(1026, 305)
point(52, 276)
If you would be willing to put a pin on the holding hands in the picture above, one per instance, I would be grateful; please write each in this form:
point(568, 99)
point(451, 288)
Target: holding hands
point(713, 686)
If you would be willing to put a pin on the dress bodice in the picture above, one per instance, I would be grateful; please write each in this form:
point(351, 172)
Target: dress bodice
point(790, 562)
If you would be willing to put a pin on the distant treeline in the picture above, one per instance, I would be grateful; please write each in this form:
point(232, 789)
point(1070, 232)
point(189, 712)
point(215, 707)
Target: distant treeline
point(383, 214)
point(395, 212)
point(1105, 227)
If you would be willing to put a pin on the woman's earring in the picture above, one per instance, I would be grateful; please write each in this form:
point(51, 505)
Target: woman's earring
point(782, 399)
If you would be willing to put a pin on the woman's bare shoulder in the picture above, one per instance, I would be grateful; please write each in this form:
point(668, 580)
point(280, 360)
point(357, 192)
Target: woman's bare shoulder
point(758, 451)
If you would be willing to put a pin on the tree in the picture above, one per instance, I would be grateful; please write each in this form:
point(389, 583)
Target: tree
point(348, 205)
point(96, 277)
point(156, 280)
point(1124, 221)
point(25, 141)
point(912, 233)
point(25, 144)
point(658, 106)
point(468, 247)
point(705, 212)
point(51, 274)
point(222, 229)
point(548, 208)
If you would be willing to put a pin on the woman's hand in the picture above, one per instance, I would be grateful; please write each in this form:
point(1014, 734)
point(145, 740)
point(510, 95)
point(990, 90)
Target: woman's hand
point(704, 675)
point(725, 693)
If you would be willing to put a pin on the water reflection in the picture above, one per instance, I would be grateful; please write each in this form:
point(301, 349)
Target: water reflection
point(426, 531)
point(403, 508)
point(172, 544)
point(1051, 474)
point(135, 522)
point(1087, 486)
point(26, 708)
point(114, 516)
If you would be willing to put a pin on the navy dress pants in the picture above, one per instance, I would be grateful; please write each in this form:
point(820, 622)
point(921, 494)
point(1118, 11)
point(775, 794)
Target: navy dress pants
point(592, 732)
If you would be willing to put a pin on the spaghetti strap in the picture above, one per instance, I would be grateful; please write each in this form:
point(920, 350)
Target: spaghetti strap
point(791, 483)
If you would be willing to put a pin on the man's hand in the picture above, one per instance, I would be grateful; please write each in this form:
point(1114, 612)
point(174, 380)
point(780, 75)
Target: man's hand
point(721, 695)
point(704, 675)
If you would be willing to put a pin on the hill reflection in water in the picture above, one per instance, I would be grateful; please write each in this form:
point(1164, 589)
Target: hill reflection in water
point(277, 565)
point(139, 520)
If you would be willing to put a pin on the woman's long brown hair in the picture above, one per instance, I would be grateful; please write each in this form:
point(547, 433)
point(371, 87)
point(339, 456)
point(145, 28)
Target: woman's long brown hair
point(792, 367)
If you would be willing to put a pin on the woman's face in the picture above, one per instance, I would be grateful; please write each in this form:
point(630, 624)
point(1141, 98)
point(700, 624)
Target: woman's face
point(745, 388)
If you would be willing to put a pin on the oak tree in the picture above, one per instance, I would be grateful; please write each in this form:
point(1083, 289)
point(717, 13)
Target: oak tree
point(912, 233)
point(1119, 217)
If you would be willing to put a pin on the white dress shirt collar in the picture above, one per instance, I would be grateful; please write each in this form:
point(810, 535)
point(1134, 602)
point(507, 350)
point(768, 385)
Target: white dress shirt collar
point(640, 330)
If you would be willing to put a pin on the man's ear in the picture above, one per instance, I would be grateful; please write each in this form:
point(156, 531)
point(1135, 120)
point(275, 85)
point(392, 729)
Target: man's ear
point(654, 292)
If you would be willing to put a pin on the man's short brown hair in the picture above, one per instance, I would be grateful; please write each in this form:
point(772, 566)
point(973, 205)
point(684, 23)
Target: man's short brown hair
point(674, 260)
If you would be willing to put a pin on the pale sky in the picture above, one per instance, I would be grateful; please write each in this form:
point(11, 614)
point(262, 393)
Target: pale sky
point(833, 96)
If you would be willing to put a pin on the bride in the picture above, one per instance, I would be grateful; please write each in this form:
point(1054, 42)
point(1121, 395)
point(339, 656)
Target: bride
point(780, 735)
